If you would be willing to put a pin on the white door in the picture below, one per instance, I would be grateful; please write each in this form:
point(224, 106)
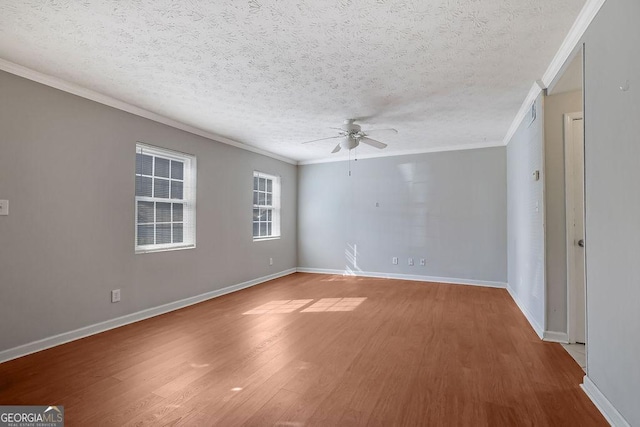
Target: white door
point(574, 175)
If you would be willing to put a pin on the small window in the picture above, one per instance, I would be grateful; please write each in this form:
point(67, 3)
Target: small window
point(165, 200)
point(266, 206)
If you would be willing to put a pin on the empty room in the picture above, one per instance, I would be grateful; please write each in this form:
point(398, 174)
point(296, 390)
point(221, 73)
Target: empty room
point(297, 213)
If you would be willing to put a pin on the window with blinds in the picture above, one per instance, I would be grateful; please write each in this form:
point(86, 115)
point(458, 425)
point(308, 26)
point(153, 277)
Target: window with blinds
point(266, 206)
point(165, 199)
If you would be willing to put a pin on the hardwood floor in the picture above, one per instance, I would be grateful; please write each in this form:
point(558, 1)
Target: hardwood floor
point(406, 353)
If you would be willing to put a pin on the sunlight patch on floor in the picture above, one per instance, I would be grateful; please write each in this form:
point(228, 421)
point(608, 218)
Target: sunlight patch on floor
point(334, 304)
point(280, 306)
point(322, 305)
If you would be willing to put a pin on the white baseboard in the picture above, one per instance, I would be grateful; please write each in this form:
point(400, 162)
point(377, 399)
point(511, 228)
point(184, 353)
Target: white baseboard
point(65, 337)
point(448, 280)
point(553, 336)
point(603, 404)
point(535, 325)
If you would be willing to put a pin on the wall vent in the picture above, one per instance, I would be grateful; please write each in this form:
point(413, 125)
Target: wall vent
point(532, 114)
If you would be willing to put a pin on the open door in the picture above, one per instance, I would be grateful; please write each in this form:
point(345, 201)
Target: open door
point(574, 184)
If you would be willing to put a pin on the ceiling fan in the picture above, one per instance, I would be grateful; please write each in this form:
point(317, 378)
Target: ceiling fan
point(352, 135)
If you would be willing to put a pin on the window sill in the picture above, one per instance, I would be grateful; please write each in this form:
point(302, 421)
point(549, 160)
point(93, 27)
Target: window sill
point(262, 239)
point(165, 249)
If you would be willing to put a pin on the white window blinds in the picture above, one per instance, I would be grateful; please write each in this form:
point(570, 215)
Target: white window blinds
point(165, 199)
point(266, 206)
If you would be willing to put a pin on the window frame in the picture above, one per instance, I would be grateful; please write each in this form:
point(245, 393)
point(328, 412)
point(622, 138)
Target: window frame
point(188, 200)
point(274, 208)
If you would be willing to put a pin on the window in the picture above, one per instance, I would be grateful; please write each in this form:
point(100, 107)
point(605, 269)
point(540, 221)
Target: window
point(165, 199)
point(266, 206)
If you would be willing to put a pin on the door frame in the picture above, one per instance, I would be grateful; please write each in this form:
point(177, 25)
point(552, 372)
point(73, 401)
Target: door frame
point(569, 118)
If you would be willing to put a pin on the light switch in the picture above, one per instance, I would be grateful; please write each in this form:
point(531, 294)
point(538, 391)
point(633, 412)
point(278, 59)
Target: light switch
point(4, 207)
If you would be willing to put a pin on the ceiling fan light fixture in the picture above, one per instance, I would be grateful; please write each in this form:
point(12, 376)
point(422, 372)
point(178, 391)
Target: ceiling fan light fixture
point(349, 143)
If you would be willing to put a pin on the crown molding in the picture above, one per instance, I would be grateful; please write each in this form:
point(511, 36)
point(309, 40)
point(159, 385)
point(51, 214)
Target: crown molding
point(568, 47)
point(92, 95)
point(404, 153)
point(567, 50)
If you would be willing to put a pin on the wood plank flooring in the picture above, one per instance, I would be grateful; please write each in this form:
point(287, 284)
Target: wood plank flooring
point(406, 354)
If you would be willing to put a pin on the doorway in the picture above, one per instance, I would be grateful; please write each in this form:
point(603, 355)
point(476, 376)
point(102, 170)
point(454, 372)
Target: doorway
point(574, 185)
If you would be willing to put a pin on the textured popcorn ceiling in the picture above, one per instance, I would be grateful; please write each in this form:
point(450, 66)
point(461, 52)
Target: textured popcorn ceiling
point(274, 73)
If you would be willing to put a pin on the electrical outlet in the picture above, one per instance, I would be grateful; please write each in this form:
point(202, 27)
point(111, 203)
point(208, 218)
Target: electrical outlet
point(270, 261)
point(394, 260)
point(410, 261)
point(423, 261)
point(115, 295)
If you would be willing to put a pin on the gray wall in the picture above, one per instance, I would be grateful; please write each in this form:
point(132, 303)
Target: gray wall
point(67, 168)
point(555, 106)
point(525, 218)
point(612, 174)
point(449, 208)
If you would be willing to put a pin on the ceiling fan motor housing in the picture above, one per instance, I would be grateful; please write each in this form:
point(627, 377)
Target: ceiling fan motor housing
point(350, 127)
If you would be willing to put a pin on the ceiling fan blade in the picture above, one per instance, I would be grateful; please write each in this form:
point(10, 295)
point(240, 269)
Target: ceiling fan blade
point(322, 139)
point(373, 142)
point(335, 150)
point(381, 131)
